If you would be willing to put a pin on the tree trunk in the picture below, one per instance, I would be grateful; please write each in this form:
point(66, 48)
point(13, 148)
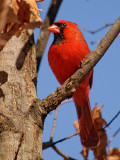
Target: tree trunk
point(20, 136)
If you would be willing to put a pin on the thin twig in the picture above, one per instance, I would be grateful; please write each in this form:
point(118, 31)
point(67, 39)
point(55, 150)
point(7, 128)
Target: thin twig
point(66, 101)
point(116, 132)
point(63, 139)
point(50, 143)
point(54, 123)
point(112, 120)
point(95, 42)
point(99, 29)
point(62, 154)
point(55, 117)
point(44, 34)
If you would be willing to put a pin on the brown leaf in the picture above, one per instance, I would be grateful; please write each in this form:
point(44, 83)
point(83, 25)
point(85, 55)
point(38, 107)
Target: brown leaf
point(21, 14)
point(96, 112)
point(99, 121)
point(100, 151)
point(76, 125)
point(3, 13)
point(84, 153)
point(114, 154)
point(3, 17)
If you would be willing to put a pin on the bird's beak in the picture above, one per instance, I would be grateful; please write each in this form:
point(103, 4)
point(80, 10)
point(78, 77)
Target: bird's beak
point(54, 29)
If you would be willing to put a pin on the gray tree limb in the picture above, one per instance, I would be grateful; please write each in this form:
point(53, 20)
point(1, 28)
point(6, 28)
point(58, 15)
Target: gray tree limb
point(69, 87)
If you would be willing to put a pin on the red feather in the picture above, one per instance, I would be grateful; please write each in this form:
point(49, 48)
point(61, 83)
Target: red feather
point(64, 59)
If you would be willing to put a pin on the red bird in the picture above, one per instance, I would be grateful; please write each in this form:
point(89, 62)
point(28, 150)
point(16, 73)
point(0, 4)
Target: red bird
point(65, 55)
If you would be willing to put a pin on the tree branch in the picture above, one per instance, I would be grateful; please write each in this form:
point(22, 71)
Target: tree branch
point(69, 87)
point(62, 154)
point(54, 123)
point(112, 120)
point(55, 117)
point(99, 29)
point(116, 132)
point(44, 34)
point(51, 143)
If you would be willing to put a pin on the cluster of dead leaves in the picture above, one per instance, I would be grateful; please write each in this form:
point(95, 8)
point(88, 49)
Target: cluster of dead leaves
point(16, 15)
point(100, 152)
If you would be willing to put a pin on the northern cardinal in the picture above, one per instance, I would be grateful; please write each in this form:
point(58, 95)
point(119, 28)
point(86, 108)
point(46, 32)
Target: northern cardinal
point(65, 56)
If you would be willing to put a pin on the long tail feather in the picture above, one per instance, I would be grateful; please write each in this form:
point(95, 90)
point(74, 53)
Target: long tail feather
point(88, 132)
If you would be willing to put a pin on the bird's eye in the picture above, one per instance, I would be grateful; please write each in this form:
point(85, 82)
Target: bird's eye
point(64, 24)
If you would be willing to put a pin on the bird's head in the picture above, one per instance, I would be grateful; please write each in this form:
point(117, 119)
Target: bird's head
point(65, 30)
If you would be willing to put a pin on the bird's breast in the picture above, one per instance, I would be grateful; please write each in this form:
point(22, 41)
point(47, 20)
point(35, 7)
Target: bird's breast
point(64, 59)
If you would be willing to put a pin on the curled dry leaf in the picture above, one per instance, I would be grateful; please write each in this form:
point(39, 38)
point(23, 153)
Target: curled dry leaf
point(99, 121)
point(114, 154)
point(3, 13)
point(100, 151)
point(84, 153)
point(76, 125)
point(3, 17)
point(21, 14)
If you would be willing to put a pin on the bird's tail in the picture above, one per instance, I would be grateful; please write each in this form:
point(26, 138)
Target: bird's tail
point(88, 132)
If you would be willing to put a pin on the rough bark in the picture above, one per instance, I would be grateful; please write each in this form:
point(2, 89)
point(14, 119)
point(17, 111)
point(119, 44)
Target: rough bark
point(20, 136)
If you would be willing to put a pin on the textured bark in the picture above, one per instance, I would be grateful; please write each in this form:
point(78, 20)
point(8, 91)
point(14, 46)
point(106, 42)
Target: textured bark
point(20, 136)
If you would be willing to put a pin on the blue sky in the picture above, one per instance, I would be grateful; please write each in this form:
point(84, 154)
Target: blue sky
point(89, 14)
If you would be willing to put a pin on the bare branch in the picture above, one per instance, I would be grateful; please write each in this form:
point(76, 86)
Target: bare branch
point(66, 101)
point(68, 88)
point(63, 139)
point(116, 132)
point(99, 29)
point(43, 38)
point(50, 143)
point(112, 120)
point(62, 154)
point(55, 117)
point(54, 123)
point(95, 42)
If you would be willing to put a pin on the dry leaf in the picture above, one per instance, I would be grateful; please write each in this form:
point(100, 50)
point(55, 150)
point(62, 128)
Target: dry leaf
point(76, 125)
point(84, 153)
point(3, 13)
point(21, 14)
point(114, 154)
point(100, 151)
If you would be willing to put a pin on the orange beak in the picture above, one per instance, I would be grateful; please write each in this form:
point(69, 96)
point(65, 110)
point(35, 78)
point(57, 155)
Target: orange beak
point(54, 29)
